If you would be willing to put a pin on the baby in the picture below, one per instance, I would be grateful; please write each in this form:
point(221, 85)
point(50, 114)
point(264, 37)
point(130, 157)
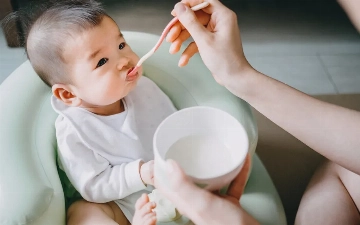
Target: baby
point(106, 117)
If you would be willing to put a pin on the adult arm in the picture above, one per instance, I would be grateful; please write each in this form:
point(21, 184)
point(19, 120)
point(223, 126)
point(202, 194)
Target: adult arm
point(331, 130)
point(352, 9)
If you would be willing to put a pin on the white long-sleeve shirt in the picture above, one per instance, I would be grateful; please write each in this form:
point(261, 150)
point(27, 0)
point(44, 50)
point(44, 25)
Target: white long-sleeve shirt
point(101, 154)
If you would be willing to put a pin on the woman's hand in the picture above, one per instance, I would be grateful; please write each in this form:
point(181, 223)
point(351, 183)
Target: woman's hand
point(217, 39)
point(201, 206)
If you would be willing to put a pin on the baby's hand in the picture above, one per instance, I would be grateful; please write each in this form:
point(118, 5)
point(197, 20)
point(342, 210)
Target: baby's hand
point(147, 172)
point(144, 214)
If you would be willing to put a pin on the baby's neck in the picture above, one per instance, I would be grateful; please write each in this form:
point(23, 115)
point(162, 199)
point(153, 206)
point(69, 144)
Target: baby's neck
point(107, 110)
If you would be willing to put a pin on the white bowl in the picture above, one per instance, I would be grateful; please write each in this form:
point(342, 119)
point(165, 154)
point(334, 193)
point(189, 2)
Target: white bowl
point(208, 143)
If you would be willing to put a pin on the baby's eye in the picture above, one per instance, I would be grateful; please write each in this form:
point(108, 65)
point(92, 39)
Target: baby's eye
point(101, 62)
point(122, 45)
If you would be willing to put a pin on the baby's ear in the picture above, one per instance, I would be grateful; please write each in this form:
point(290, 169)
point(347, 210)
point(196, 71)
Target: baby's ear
point(64, 94)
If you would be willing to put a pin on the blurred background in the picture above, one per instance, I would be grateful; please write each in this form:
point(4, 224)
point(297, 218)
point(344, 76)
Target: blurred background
point(309, 45)
point(302, 43)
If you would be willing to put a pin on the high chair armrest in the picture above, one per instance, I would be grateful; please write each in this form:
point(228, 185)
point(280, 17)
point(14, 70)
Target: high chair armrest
point(29, 182)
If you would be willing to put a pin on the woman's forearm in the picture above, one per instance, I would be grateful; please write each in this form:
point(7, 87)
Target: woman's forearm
point(352, 9)
point(331, 130)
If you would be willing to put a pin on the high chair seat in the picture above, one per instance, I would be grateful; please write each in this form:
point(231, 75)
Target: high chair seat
point(30, 187)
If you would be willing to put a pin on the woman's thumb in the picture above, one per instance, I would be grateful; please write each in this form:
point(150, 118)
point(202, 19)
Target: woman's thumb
point(188, 19)
point(175, 172)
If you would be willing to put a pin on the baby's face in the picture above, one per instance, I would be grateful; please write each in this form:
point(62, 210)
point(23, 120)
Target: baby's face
point(98, 61)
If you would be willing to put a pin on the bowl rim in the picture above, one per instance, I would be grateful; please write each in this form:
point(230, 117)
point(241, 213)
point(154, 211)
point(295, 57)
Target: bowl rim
point(237, 164)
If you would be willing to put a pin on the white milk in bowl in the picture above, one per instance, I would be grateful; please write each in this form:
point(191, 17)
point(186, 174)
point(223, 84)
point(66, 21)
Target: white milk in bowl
point(201, 156)
point(208, 143)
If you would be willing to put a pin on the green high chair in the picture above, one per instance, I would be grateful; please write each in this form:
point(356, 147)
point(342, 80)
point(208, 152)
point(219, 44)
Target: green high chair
point(31, 190)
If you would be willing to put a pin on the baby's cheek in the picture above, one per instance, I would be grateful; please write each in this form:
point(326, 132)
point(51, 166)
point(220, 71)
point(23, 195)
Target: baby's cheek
point(105, 92)
point(135, 58)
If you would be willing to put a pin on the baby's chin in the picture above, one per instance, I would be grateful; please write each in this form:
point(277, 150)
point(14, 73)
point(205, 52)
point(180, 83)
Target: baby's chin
point(132, 84)
point(106, 107)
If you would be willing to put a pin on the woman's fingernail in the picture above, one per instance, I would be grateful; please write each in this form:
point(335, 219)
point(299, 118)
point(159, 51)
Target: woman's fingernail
point(180, 7)
point(181, 62)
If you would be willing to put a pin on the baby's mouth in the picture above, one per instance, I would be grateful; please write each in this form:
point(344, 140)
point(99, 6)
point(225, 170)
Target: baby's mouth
point(131, 74)
point(131, 69)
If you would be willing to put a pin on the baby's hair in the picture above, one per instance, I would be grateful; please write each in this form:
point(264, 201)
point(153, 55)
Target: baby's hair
point(46, 28)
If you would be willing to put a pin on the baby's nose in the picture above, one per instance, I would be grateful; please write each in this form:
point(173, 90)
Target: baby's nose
point(123, 62)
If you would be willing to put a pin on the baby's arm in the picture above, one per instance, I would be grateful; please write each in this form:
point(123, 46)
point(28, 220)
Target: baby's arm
point(93, 176)
point(147, 172)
